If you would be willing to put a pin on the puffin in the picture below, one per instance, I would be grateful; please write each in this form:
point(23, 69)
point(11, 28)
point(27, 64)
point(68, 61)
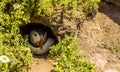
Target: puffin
point(40, 40)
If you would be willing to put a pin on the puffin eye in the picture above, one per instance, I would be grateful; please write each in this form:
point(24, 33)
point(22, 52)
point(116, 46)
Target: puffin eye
point(35, 34)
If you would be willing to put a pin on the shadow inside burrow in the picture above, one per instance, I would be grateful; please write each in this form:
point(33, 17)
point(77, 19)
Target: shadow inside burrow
point(26, 28)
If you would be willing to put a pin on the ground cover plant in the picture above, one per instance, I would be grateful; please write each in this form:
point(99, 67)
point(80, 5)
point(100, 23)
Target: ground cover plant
point(14, 13)
point(68, 57)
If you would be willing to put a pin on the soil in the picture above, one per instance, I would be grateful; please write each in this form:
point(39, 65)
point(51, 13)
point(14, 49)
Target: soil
point(101, 39)
point(42, 64)
point(100, 42)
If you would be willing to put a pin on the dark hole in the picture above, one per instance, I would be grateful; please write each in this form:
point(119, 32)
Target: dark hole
point(25, 29)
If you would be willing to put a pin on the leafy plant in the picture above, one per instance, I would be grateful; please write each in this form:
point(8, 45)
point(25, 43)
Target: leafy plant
point(12, 14)
point(68, 58)
point(50, 7)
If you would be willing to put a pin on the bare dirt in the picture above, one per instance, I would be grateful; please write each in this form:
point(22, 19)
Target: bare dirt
point(101, 39)
point(100, 42)
point(42, 64)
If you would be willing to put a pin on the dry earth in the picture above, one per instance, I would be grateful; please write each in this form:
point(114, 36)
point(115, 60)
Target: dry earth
point(100, 39)
point(42, 64)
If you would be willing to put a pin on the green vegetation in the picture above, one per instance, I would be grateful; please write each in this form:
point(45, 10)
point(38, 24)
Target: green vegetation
point(15, 12)
point(114, 47)
point(117, 48)
point(50, 7)
point(12, 14)
point(68, 58)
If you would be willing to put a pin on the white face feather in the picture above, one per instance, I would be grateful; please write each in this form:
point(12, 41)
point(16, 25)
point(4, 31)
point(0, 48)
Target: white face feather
point(34, 37)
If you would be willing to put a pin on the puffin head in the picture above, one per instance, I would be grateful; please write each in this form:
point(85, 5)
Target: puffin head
point(38, 37)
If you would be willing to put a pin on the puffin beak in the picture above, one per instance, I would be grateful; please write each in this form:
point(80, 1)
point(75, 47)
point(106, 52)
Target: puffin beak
point(41, 44)
point(42, 40)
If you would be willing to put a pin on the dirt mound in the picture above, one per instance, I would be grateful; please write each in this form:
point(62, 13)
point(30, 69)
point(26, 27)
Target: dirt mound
point(42, 64)
point(101, 39)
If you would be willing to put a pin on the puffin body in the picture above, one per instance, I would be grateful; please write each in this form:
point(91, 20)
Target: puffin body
point(45, 49)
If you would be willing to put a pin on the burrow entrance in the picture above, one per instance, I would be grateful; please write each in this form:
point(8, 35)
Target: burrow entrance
point(26, 29)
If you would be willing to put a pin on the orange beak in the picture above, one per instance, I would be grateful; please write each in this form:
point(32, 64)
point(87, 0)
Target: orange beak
point(42, 40)
point(41, 43)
